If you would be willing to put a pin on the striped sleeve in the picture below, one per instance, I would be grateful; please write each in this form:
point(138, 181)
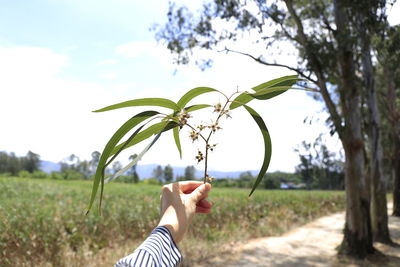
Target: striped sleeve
point(159, 249)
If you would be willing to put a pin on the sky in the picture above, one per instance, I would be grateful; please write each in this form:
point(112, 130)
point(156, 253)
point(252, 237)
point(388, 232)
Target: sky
point(60, 60)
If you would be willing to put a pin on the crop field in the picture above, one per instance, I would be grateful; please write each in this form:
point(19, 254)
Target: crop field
point(43, 222)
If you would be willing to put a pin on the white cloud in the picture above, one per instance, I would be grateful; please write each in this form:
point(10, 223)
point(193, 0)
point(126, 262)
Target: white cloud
point(29, 62)
point(110, 61)
point(108, 76)
point(134, 49)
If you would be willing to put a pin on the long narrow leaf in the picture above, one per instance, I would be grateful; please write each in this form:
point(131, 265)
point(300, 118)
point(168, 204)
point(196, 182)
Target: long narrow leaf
point(197, 107)
point(111, 160)
point(267, 145)
point(146, 133)
point(240, 100)
point(177, 140)
point(282, 81)
point(192, 94)
point(270, 92)
point(160, 102)
point(245, 98)
point(118, 135)
point(135, 161)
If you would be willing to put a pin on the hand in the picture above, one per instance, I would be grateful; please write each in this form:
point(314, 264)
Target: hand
point(179, 202)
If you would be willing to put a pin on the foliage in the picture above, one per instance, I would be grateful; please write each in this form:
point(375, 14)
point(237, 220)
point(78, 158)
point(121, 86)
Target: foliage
point(10, 163)
point(319, 168)
point(190, 173)
point(179, 117)
point(168, 173)
point(46, 230)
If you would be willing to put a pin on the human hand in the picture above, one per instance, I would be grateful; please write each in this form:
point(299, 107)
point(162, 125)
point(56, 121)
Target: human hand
point(179, 202)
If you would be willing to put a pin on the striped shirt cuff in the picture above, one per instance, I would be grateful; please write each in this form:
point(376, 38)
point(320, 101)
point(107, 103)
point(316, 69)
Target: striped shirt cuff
point(159, 249)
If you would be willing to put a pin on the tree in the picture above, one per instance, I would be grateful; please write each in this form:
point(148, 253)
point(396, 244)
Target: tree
point(306, 167)
point(13, 164)
point(94, 161)
point(31, 162)
point(116, 166)
point(319, 168)
point(327, 40)
point(367, 24)
point(168, 173)
point(387, 45)
point(190, 173)
point(133, 173)
point(3, 161)
point(158, 173)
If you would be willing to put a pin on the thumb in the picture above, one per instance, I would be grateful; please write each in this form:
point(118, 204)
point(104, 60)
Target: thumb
point(200, 192)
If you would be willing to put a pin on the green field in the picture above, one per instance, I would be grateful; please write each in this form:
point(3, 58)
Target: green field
point(43, 222)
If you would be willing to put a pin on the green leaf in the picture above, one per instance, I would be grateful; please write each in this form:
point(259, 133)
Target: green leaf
point(135, 161)
point(117, 136)
point(197, 107)
point(282, 81)
point(146, 133)
point(267, 145)
point(270, 92)
point(240, 100)
point(160, 102)
point(285, 81)
point(192, 94)
point(177, 140)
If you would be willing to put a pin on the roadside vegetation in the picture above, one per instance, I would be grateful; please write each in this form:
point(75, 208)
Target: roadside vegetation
point(43, 222)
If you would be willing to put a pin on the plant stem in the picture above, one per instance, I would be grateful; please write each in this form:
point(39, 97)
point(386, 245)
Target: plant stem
point(221, 113)
point(205, 164)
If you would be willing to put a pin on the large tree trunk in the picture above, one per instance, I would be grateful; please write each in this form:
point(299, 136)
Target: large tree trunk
point(394, 119)
point(379, 214)
point(396, 184)
point(357, 239)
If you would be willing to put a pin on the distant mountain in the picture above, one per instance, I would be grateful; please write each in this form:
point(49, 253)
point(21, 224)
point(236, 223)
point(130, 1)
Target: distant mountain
point(146, 171)
point(48, 166)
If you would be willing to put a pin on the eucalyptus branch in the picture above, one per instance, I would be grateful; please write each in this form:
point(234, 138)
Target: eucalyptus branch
point(177, 120)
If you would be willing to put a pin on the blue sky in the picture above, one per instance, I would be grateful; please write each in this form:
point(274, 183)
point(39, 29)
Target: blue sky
point(61, 59)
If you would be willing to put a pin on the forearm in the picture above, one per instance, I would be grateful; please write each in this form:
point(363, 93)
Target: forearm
point(159, 249)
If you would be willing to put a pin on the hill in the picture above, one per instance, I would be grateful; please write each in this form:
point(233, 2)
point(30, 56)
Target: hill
point(146, 170)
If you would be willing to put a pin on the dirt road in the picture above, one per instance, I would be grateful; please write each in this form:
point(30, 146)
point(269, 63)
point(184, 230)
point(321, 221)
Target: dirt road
point(313, 244)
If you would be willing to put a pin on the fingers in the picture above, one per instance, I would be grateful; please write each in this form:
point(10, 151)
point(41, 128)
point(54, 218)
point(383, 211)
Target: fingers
point(204, 203)
point(203, 210)
point(188, 187)
point(200, 192)
point(203, 206)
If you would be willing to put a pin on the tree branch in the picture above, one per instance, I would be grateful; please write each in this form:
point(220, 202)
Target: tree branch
point(259, 60)
point(317, 68)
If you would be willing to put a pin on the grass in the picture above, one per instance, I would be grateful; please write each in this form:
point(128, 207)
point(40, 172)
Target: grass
point(43, 222)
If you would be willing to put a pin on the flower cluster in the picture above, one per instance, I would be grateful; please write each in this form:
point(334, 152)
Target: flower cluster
point(211, 147)
point(209, 178)
point(218, 108)
point(214, 127)
point(183, 116)
point(194, 135)
point(199, 156)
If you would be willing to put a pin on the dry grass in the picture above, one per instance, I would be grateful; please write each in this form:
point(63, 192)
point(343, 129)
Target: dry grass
point(42, 222)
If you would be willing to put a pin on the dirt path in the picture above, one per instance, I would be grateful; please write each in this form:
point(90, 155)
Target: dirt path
point(310, 245)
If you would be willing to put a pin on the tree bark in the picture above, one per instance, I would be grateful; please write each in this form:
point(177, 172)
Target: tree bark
point(396, 184)
point(394, 120)
point(357, 240)
point(379, 214)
